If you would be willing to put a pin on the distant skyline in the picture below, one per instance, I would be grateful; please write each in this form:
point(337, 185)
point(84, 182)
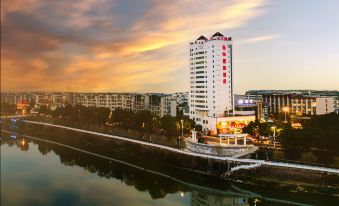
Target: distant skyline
point(142, 46)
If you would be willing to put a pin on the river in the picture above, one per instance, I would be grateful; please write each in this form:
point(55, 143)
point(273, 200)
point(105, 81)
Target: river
point(34, 172)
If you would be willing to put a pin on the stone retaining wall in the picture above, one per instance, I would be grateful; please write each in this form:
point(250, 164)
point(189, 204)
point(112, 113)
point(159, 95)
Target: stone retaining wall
point(227, 151)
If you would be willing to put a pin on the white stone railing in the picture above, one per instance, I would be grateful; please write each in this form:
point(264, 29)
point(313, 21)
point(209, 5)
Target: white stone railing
point(250, 166)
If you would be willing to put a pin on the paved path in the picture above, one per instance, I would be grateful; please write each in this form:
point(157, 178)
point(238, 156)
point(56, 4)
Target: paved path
point(262, 162)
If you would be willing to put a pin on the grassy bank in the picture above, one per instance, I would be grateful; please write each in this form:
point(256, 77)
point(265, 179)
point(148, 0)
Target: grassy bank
point(111, 129)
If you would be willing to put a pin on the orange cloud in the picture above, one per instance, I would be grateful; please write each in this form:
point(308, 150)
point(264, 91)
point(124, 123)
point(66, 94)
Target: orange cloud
point(85, 46)
point(261, 38)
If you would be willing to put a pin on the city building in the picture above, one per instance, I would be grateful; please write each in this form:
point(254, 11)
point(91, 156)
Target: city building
point(111, 100)
point(158, 103)
point(251, 105)
point(16, 97)
point(166, 106)
point(211, 80)
point(299, 102)
point(57, 100)
point(173, 103)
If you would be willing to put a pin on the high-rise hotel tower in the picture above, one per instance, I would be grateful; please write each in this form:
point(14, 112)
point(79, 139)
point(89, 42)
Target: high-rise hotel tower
point(211, 80)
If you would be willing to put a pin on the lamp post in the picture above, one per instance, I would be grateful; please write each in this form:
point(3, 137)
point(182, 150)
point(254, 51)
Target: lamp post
point(285, 109)
point(143, 130)
point(182, 128)
point(273, 135)
point(182, 132)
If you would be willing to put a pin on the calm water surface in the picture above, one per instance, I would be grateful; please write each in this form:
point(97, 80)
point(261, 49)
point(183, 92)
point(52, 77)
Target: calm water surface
point(34, 172)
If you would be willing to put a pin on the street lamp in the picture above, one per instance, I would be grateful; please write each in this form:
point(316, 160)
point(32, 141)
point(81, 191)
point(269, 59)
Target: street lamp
point(182, 128)
point(154, 123)
point(285, 109)
point(182, 132)
point(273, 127)
point(143, 130)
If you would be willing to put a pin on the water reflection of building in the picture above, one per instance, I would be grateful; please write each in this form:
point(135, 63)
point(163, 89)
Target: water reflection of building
point(201, 199)
point(24, 146)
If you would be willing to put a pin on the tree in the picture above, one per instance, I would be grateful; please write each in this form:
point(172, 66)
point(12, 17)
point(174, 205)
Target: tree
point(30, 106)
point(189, 124)
point(124, 118)
point(144, 120)
point(169, 126)
point(43, 109)
point(102, 115)
point(8, 108)
point(320, 132)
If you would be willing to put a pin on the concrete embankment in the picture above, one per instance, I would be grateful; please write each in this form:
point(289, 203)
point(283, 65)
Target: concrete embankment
point(211, 165)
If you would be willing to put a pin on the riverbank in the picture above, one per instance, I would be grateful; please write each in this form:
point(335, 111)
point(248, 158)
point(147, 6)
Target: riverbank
point(112, 130)
point(292, 179)
point(161, 182)
point(181, 160)
point(314, 157)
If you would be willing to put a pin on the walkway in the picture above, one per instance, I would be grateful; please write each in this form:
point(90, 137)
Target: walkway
point(262, 162)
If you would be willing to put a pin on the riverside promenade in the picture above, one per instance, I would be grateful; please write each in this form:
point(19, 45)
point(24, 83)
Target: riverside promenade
point(248, 163)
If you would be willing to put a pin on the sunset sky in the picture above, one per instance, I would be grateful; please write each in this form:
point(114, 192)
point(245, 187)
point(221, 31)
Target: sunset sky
point(142, 46)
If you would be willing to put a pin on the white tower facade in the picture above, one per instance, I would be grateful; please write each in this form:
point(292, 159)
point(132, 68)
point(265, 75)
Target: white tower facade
point(211, 80)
